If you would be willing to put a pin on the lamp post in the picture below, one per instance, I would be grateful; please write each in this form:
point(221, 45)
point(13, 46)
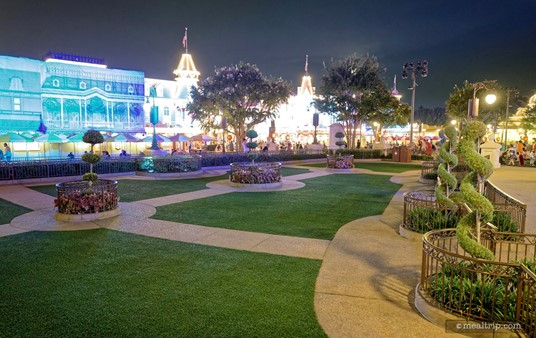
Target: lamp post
point(422, 68)
point(515, 92)
point(153, 117)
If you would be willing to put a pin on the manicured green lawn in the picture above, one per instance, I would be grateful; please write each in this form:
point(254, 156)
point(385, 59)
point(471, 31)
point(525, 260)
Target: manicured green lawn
point(136, 190)
point(317, 210)
point(102, 283)
point(375, 166)
point(8, 211)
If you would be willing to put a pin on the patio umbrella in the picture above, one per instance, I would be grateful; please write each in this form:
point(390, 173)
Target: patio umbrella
point(50, 138)
point(123, 138)
point(159, 139)
point(201, 138)
point(14, 137)
point(179, 138)
point(76, 138)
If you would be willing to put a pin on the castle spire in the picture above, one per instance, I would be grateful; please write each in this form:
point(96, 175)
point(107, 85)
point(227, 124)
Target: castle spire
point(395, 92)
point(306, 85)
point(186, 68)
point(187, 74)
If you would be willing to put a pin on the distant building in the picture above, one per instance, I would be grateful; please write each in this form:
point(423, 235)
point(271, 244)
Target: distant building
point(172, 98)
point(70, 95)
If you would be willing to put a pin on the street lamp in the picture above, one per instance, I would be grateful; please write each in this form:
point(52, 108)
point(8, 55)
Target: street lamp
point(473, 104)
point(153, 116)
point(413, 69)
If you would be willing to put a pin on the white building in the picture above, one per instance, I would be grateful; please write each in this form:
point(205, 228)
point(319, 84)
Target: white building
point(172, 98)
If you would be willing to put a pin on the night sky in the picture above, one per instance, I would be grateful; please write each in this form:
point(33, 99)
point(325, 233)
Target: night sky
point(462, 40)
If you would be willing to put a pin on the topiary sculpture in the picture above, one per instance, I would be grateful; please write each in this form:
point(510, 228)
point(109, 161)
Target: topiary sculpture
point(251, 145)
point(340, 136)
point(446, 182)
point(481, 168)
point(92, 137)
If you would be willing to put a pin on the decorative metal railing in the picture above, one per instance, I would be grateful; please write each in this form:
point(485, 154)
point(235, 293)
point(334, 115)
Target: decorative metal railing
point(13, 171)
point(422, 213)
point(501, 291)
point(504, 202)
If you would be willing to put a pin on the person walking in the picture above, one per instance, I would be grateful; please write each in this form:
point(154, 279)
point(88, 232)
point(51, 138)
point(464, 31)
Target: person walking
point(7, 152)
point(521, 157)
point(512, 159)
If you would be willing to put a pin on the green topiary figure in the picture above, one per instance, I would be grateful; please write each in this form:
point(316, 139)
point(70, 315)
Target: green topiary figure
point(340, 136)
point(251, 145)
point(482, 208)
point(446, 182)
point(92, 137)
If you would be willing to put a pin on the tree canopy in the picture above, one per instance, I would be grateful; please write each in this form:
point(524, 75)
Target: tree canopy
point(353, 91)
point(458, 100)
point(241, 95)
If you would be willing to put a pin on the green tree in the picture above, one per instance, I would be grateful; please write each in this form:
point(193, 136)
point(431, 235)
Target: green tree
point(431, 116)
point(458, 100)
point(353, 91)
point(395, 114)
point(241, 95)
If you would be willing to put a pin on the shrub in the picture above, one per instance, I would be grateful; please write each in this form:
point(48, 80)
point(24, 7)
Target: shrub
point(91, 158)
point(90, 177)
point(422, 219)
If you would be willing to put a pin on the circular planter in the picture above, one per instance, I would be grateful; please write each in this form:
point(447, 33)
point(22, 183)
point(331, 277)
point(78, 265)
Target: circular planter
point(340, 161)
point(77, 198)
point(423, 213)
point(255, 173)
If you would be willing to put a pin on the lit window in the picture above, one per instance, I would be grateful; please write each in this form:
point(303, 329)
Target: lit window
point(83, 85)
point(56, 83)
point(130, 90)
point(107, 87)
point(16, 103)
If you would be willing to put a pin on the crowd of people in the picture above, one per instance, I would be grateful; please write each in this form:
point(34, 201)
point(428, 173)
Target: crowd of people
point(519, 154)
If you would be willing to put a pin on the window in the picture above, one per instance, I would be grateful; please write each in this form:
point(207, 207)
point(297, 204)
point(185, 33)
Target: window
point(56, 83)
point(107, 87)
point(16, 83)
point(83, 85)
point(166, 111)
point(16, 103)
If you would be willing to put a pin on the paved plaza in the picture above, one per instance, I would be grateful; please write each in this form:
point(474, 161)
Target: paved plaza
point(368, 275)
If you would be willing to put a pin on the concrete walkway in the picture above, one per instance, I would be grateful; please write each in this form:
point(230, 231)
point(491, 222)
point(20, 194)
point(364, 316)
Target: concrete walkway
point(135, 219)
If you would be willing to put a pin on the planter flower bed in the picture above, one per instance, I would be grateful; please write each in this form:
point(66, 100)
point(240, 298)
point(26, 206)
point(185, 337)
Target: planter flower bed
point(77, 197)
point(258, 173)
point(341, 162)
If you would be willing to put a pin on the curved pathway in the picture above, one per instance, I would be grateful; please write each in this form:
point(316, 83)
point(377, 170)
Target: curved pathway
point(135, 219)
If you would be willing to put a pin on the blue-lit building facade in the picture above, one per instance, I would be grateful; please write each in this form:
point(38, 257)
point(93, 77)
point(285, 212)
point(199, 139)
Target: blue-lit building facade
point(69, 96)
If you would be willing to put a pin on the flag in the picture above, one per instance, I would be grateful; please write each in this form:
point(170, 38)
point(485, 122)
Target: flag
point(185, 39)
